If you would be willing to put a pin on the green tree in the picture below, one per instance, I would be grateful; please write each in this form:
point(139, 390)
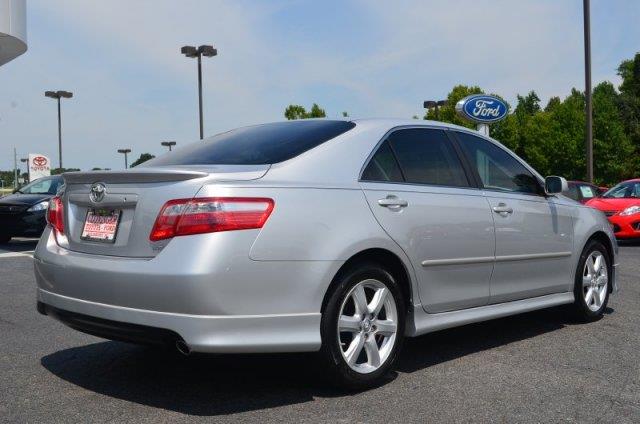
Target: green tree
point(299, 112)
point(613, 150)
point(629, 106)
point(143, 158)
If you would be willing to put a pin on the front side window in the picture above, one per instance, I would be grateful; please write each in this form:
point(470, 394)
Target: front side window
point(498, 170)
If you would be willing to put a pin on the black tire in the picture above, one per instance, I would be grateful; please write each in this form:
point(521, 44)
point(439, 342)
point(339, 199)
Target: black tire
point(5, 238)
point(582, 311)
point(331, 350)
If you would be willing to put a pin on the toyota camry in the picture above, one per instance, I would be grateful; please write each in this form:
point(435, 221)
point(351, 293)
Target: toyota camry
point(336, 236)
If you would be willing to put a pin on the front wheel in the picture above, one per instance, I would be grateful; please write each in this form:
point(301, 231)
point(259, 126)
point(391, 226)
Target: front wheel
point(363, 326)
point(592, 282)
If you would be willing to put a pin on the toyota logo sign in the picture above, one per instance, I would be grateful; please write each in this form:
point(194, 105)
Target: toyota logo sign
point(40, 161)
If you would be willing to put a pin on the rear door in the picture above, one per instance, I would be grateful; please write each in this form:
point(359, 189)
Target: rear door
point(421, 195)
point(534, 232)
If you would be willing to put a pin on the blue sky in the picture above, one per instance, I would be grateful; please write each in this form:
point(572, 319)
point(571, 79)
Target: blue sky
point(133, 89)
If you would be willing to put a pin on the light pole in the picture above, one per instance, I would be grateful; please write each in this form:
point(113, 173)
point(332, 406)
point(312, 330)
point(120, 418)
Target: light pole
point(60, 94)
point(587, 89)
point(168, 144)
point(207, 51)
point(430, 104)
point(125, 152)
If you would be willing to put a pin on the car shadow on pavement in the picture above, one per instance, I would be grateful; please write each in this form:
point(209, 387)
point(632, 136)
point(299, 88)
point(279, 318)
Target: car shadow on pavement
point(209, 385)
point(17, 245)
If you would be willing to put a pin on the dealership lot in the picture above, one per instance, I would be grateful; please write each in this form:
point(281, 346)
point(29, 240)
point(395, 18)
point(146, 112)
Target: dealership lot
point(539, 366)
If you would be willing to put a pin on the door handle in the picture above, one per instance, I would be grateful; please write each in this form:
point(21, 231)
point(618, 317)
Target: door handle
point(393, 202)
point(502, 209)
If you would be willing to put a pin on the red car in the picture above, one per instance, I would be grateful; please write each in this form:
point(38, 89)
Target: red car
point(621, 205)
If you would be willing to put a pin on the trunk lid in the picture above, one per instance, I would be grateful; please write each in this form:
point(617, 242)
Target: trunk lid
point(137, 195)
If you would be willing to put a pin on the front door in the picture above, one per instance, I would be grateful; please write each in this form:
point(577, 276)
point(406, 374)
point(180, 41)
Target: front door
point(534, 232)
point(420, 194)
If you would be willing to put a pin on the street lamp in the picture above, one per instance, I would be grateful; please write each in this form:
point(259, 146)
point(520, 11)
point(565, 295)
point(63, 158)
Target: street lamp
point(125, 152)
point(168, 144)
point(430, 104)
point(207, 51)
point(60, 94)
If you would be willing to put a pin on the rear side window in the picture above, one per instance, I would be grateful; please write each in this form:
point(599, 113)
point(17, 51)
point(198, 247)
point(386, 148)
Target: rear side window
point(256, 145)
point(383, 166)
point(426, 156)
point(498, 170)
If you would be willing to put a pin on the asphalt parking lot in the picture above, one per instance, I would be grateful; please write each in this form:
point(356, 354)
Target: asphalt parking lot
point(538, 367)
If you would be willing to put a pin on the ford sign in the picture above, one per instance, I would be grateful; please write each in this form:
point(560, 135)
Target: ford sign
point(482, 109)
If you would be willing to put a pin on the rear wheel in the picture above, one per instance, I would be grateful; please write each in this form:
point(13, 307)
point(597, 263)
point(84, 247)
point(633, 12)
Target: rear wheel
point(363, 326)
point(592, 282)
point(5, 238)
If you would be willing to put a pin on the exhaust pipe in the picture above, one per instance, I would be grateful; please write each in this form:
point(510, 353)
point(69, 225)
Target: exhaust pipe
point(183, 347)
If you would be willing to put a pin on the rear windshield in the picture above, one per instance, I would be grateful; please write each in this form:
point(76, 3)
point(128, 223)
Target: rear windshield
point(256, 145)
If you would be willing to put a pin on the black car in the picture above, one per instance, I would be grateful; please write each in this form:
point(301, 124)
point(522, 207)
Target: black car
point(23, 212)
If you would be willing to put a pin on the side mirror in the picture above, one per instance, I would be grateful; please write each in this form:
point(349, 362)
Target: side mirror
point(555, 185)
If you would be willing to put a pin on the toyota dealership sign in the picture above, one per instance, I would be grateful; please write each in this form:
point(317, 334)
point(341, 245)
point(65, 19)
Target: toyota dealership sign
point(39, 166)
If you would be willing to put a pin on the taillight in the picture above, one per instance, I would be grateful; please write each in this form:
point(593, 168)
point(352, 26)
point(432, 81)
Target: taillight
point(55, 214)
point(210, 214)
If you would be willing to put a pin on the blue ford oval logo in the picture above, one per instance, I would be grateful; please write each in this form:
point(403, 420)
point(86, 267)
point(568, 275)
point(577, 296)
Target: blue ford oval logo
point(482, 108)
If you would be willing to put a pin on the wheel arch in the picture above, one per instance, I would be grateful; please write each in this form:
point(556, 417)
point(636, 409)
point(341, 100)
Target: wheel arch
point(603, 238)
point(389, 260)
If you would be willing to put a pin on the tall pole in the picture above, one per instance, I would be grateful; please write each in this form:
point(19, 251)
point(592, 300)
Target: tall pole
point(200, 93)
point(59, 136)
point(587, 89)
point(15, 169)
point(191, 52)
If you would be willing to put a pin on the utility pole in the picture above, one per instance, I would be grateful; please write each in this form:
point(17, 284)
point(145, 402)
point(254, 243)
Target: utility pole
point(587, 89)
point(15, 169)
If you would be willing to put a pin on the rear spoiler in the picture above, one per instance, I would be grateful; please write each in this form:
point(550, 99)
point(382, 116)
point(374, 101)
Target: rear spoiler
point(141, 175)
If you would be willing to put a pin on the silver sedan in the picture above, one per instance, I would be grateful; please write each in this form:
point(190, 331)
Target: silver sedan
point(336, 236)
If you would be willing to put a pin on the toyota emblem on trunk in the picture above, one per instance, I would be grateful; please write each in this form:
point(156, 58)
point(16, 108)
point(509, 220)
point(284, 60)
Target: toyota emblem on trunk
point(98, 190)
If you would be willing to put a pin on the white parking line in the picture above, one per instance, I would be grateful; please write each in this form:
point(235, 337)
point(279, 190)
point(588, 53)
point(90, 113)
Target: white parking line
point(28, 254)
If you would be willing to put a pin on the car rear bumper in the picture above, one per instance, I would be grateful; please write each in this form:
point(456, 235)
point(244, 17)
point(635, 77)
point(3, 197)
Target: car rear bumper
point(625, 227)
point(203, 288)
point(215, 334)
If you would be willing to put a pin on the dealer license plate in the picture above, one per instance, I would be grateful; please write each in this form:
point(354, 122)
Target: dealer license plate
point(101, 225)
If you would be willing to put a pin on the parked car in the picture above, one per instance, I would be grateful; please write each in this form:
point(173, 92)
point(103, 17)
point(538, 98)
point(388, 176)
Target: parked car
point(582, 192)
point(621, 205)
point(23, 212)
point(342, 237)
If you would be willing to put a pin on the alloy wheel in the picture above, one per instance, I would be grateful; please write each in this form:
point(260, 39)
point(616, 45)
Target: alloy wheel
point(595, 279)
point(367, 326)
